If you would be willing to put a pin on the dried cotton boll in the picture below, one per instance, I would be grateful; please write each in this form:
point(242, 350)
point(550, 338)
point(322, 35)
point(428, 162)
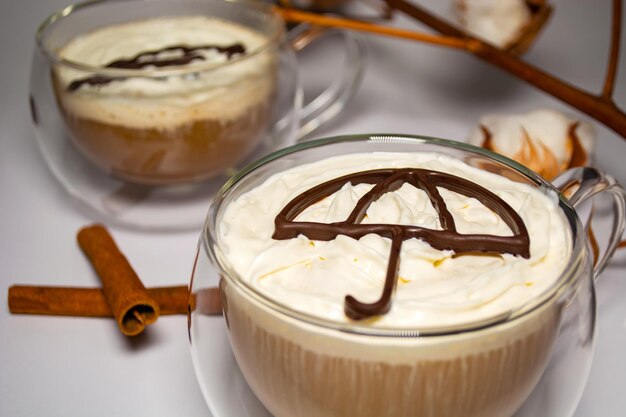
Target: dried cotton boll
point(546, 141)
point(499, 22)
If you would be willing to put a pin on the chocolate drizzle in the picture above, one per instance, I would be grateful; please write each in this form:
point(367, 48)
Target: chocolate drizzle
point(389, 180)
point(151, 59)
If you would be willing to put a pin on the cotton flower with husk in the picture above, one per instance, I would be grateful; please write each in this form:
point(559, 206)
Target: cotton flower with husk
point(546, 141)
point(499, 22)
point(511, 25)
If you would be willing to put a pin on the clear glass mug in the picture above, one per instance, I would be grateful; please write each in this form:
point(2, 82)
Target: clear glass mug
point(145, 122)
point(533, 361)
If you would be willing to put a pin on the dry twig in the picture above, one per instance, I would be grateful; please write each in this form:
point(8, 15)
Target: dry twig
point(293, 15)
point(601, 107)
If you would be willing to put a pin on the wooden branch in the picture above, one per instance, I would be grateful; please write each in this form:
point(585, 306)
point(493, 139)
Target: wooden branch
point(611, 69)
point(297, 16)
point(601, 109)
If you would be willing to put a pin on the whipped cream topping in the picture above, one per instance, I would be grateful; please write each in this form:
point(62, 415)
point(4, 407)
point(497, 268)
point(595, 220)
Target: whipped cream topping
point(223, 92)
point(435, 288)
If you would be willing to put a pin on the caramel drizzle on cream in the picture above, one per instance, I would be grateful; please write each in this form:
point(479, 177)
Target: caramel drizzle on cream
point(390, 180)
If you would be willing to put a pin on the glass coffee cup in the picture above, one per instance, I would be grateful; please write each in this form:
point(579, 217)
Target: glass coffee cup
point(140, 95)
point(297, 363)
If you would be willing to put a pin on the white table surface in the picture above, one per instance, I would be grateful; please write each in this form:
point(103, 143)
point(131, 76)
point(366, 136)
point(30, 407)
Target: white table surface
point(84, 367)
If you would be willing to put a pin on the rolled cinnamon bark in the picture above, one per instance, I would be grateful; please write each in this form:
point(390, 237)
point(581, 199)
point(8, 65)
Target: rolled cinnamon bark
point(90, 302)
point(132, 306)
point(208, 301)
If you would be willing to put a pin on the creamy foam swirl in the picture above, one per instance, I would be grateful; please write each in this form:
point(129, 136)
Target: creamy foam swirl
point(435, 288)
point(166, 102)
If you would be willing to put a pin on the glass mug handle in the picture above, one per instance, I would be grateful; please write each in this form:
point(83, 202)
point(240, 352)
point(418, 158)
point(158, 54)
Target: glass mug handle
point(334, 98)
point(580, 185)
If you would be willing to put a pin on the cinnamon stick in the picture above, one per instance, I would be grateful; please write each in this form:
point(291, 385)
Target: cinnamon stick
point(208, 301)
point(90, 302)
point(128, 299)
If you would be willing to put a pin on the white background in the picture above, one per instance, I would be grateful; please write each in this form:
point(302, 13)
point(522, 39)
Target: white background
point(84, 367)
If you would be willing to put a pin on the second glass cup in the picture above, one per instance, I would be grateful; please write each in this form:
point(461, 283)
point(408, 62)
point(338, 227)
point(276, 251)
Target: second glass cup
point(161, 92)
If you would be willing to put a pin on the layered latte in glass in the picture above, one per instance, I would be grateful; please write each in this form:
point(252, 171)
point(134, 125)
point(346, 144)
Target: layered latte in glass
point(471, 260)
point(167, 99)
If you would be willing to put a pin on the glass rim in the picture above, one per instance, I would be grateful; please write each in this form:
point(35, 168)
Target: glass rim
point(560, 285)
point(278, 33)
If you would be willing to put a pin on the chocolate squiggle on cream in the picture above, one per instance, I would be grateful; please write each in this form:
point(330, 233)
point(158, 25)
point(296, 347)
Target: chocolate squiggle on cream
point(151, 58)
point(389, 180)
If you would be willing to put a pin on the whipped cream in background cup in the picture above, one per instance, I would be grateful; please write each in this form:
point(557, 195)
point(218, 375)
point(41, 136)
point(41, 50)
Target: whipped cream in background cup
point(466, 334)
point(165, 92)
